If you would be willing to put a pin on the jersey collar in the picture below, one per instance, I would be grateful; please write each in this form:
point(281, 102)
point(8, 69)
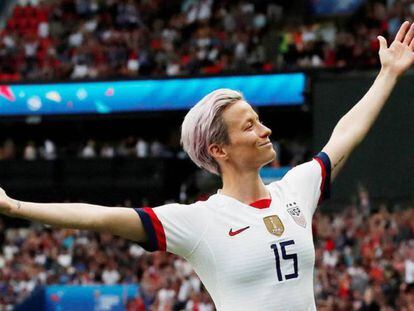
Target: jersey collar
point(259, 204)
point(262, 203)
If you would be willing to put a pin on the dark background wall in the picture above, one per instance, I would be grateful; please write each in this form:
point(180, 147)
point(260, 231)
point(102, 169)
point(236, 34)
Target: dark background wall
point(99, 181)
point(384, 162)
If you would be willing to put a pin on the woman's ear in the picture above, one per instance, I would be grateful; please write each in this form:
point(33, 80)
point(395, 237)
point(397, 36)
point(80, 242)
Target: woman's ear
point(217, 151)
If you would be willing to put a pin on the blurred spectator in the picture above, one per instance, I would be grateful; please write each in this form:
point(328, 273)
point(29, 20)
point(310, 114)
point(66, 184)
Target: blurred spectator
point(136, 304)
point(369, 303)
point(141, 148)
point(166, 297)
point(65, 258)
point(156, 149)
point(107, 151)
point(88, 151)
point(127, 147)
point(364, 202)
point(9, 150)
point(197, 10)
point(30, 152)
point(48, 150)
point(409, 266)
point(110, 274)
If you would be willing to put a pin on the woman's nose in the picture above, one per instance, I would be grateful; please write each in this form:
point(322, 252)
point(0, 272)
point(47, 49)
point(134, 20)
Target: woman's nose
point(265, 131)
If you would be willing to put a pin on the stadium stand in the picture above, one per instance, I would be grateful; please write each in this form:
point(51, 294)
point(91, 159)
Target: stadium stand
point(84, 39)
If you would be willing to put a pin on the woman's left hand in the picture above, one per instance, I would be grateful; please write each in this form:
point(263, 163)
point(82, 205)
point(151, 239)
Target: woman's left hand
point(399, 56)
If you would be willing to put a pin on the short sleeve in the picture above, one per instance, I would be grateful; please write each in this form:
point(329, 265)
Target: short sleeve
point(312, 180)
point(176, 228)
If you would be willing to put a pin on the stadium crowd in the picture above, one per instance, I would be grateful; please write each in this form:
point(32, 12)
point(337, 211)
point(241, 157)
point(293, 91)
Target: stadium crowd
point(364, 261)
point(87, 39)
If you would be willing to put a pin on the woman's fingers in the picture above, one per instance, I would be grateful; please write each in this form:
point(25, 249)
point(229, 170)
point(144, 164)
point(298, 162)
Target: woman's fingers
point(382, 42)
point(411, 46)
point(402, 31)
point(409, 36)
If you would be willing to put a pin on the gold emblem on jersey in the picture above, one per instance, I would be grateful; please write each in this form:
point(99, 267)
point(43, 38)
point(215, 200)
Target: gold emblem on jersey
point(274, 225)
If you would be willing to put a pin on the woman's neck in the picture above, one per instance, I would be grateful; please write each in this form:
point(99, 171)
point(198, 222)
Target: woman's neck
point(246, 187)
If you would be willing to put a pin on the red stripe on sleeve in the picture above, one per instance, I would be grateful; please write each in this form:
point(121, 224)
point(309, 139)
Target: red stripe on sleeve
point(323, 178)
point(158, 228)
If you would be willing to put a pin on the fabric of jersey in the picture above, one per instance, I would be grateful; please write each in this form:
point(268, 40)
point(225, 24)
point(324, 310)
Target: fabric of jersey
point(242, 264)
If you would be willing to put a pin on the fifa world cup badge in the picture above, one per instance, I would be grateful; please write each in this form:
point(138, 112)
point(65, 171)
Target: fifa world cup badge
point(274, 225)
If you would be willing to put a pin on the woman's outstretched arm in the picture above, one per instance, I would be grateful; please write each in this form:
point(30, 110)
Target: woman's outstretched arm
point(355, 124)
point(120, 221)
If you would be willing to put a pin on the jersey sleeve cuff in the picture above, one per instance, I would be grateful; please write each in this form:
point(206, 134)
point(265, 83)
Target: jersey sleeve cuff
point(155, 231)
point(323, 159)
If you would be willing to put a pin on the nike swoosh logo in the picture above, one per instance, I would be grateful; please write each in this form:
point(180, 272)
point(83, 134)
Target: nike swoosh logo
point(233, 233)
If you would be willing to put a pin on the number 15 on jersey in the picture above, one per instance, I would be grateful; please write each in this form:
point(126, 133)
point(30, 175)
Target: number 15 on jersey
point(279, 250)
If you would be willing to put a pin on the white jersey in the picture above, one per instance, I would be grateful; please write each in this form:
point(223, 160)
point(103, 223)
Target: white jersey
point(249, 258)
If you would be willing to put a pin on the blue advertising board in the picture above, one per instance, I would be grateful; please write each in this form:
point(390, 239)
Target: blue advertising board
point(145, 95)
point(89, 297)
point(329, 7)
point(80, 298)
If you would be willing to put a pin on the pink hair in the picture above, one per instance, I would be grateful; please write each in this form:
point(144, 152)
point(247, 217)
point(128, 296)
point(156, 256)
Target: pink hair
point(203, 126)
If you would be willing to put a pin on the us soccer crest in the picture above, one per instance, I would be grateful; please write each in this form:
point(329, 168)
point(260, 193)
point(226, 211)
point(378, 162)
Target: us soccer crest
point(297, 215)
point(274, 225)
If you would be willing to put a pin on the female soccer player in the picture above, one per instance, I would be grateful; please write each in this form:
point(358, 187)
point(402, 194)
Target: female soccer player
point(251, 244)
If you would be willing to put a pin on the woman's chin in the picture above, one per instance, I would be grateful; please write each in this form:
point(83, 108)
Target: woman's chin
point(270, 158)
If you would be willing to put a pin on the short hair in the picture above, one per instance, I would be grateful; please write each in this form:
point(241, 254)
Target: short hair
point(203, 125)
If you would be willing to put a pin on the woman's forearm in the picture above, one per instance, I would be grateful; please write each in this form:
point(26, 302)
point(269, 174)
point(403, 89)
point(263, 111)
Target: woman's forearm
point(63, 215)
point(120, 221)
point(356, 123)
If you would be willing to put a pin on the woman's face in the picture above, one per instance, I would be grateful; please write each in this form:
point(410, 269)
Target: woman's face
point(250, 146)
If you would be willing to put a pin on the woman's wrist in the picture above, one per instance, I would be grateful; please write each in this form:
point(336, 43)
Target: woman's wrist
point(388, 73)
